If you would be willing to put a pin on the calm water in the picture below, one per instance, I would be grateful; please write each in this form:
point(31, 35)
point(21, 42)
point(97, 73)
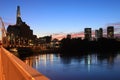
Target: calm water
point(85, 67)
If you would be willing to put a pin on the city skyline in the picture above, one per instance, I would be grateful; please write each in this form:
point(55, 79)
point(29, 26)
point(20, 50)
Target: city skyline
point(47, 17)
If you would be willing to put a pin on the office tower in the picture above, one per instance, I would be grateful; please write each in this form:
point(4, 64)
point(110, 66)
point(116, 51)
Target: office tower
point(87, 33)
point(96, 34)
point(110, 32)
point(100, 32)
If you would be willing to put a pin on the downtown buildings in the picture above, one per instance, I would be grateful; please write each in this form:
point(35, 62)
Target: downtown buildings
point(99, 33)
point(21, 34)
point(90, 34)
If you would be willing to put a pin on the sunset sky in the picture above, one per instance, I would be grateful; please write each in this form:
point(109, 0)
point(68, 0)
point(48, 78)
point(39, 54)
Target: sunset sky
point(48, 17)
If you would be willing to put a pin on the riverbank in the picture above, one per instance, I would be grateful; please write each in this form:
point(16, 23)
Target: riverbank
point(74, 46)
point(77, 45)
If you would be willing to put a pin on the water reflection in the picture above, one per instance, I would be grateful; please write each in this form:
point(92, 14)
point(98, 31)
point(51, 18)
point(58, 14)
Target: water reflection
point(34, 60)
point(66, 67)
point(107, 56)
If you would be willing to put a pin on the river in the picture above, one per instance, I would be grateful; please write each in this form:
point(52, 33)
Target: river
point(105, 66)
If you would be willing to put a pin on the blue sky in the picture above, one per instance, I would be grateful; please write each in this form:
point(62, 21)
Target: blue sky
point(46, 17)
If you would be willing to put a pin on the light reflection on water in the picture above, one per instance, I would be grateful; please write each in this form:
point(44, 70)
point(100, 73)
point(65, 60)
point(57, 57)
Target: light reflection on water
point(84, 67)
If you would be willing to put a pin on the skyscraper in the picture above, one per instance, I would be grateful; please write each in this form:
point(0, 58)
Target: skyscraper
point(87, 33)
point(18, 11)
point(96, 34)
point(100, 32)
point(18, 16)
point(110, 32)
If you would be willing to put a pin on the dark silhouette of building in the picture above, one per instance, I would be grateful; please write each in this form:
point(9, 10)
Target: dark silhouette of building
point(44, 40)
point(100, 32)
point(87, 33)
point(18, 16)
point(20, 33)
point(96, 34)
point(69, 36)
point(110, 32)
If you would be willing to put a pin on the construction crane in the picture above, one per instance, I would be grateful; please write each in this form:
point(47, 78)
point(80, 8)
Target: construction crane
point(3, 33)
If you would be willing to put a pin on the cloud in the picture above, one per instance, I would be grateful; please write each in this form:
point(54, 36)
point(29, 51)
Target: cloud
point(113, 24)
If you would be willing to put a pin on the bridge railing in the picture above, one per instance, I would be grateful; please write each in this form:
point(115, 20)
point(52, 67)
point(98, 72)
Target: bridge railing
point(12, 68)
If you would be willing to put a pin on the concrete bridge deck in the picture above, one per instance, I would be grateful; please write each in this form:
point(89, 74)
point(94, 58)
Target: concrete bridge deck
point(12, 68)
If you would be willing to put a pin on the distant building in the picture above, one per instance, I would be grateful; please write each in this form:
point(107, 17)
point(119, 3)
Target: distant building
point(110, 32)
point(69, 36)
point(88, 33)
point(96, 34)
point(20, 33)
point(44, 40)
point(100, 32)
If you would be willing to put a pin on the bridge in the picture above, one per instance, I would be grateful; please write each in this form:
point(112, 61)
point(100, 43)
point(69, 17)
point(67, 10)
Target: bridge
point(11, 67)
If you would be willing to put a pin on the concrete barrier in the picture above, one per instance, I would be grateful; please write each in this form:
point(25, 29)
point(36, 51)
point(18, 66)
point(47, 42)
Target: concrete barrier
point(12, 68)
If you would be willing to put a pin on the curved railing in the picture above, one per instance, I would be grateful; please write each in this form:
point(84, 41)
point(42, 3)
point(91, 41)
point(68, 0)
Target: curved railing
point(12, 68)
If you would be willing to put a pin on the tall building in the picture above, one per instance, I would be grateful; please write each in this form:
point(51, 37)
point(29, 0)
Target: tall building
point(20, 33)
point(96, 34)
point(100, 32)
point(18, 11)
point(110, 32)
point(88, 33)
point(18, 16)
